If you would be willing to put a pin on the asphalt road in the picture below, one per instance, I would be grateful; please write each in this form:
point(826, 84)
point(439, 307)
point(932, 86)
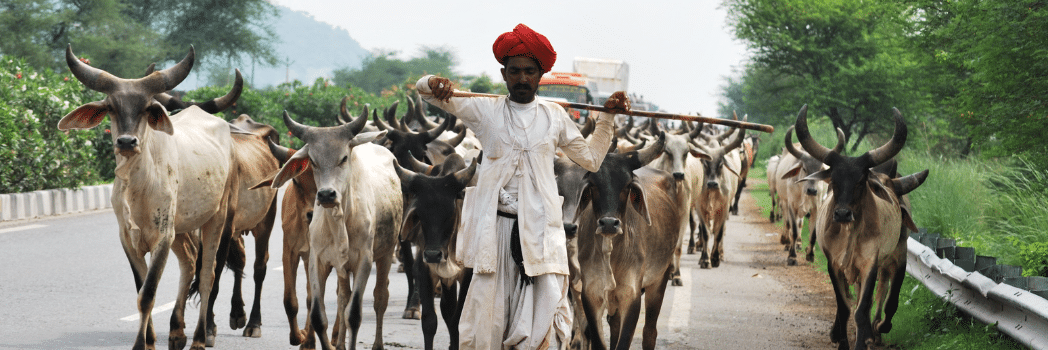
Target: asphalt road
point(66, 284)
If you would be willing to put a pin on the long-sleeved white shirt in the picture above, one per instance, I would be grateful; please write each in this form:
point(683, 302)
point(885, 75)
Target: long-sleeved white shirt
point(497, 123)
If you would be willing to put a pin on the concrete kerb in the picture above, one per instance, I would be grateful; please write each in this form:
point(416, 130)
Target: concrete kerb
point(22, 206)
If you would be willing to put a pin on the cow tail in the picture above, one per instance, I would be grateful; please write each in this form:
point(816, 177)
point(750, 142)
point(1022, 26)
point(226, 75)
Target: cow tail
point(194, 287)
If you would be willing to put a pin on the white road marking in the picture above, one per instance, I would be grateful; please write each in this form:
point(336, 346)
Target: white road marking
point(680, 313)
point(21, 228)
point(278, 268)
point(156, 310)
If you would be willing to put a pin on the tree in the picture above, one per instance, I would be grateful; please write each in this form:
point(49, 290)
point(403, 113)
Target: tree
point(220, 31)
point(382, 69)
point(843, 57)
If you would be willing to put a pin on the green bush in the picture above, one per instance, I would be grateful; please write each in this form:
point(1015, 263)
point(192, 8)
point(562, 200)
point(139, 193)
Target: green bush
point(315, 105)
point(36, 155)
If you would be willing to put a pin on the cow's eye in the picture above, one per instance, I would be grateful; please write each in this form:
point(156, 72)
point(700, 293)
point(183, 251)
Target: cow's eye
point(343, 161)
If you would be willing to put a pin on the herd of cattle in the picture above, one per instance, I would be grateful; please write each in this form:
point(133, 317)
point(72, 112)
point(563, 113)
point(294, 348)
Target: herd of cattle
point(369, 191)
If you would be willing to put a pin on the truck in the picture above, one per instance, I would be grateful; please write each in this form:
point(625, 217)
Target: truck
point(607, 75)
point(567, 86)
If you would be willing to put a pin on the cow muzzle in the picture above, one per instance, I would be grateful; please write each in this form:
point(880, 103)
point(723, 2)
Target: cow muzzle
point(811, 191)
point(712, 185)
point(432, 256)
point(609, 225)
point(126, 145)
point(843, 215)
point(570, 230)
point(678, 176)
point(327, 198)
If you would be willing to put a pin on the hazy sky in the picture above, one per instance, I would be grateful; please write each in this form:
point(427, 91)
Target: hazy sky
point(679, 52)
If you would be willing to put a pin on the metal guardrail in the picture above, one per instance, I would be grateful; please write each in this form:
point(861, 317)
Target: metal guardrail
point(989, 292)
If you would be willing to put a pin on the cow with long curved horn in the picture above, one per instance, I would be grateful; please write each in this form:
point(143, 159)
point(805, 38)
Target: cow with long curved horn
point(164, 163)
point(721, 176)
point(862, 229)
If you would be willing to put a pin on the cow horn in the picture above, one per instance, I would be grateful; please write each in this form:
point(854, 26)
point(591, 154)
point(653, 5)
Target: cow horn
point(734, 115)
point(725, 135)
point(789, 144)
point(420, 115)
point(432, 134)
point(650, 152)
point(630, 138)
point(635, 146)
point(695, 132)
point(740, 135)
point(614, 143)
point(343, 112)
point(588, 128)
point(281, 153)
point(381, 125)
point(905, 184)
point(356, 125)
point(653, 127)
point(840, 141)
point(302, 132)
point(457, 140)
point(93, 78)
point(150, 69)
point(417, 165)
point(894, 146)
point(685, 127)
point(391, 116)
point(405, 175)
point(809, 144)
point(224, 102)
point(168, 79)
point(464, 176)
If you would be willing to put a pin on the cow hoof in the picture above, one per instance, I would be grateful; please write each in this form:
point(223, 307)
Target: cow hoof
point(810, 257)
point(253, 332)
point(237, 322)
point(176, 342)
point(400, 268)
point(196, 346)
point(715, 263)
point(785, 241)
point(704, 264)
point(412, 314)
point(677, 282)
point(209, 339)
point(791, 262)
point(884, 327)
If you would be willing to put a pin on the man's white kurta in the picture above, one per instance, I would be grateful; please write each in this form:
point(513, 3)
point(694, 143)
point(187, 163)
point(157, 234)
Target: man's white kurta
point(538, 206)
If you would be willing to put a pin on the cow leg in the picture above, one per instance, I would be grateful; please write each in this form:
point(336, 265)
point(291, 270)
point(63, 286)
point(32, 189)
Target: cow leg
point(381, 294)
point(338, 332)
point(810, 256)
point(839, 332)
point(424, 281)
point(222, 257)
point(652, 307)
point(892, 304)
point(704, 238)
point(212, 234)
point(863, 328)
point(146, 338)
point(262, 234)
point(627, 319)
point(593, 325)
point(354, 316)
point(717, 250)
point(185, 249)
point(317, 315)
point(794, 229)
point(236, 259)
point(290, 263)
point(467, 277)
point(406, 252)
point(734, 209)
point(693, 223)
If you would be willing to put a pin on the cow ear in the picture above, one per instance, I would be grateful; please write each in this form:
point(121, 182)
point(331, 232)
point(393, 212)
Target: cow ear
point(727, 165)
point(698, 153)
point(792, 172)
point(157, 117)
point(84, 117)
point(293, 168)
point(366, 137)
point(584, 198)
point(637, 200)
point(822, 175)
point(409, 229)
point(881, 191)
point(264, 183)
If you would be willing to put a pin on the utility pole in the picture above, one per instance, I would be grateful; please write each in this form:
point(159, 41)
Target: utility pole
point(287, 74)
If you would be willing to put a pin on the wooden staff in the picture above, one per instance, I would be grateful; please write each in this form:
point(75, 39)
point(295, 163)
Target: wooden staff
point(660, 115)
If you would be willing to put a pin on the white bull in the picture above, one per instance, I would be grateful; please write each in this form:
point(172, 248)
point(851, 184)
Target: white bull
point(356, 221)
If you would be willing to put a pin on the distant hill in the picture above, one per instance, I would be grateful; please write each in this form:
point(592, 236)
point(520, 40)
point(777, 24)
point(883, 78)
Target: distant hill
point(315, 49)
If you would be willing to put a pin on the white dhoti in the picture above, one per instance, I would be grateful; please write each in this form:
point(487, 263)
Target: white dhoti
point(501, 312)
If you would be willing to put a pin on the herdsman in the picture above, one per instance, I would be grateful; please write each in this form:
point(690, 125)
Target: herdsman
point(511, 233)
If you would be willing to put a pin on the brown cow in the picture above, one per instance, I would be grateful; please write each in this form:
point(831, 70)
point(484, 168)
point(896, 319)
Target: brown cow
point(629, 225)
point(862, 228)
point(799, 197)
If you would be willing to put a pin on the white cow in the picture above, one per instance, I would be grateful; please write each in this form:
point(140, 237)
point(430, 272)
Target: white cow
point(173, 179)
point(356, 221)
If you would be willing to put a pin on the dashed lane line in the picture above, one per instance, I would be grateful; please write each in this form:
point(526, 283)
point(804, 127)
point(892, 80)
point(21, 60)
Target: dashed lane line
point(156, 310)
point(21, 228)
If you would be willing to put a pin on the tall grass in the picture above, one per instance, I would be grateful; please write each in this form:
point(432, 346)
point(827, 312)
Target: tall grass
point(999, 208)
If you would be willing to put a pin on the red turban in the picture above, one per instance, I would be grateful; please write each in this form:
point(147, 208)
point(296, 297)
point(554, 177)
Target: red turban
point(524, 41)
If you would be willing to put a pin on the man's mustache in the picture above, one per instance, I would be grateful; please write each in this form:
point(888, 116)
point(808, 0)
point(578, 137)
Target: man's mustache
point(521, 86)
